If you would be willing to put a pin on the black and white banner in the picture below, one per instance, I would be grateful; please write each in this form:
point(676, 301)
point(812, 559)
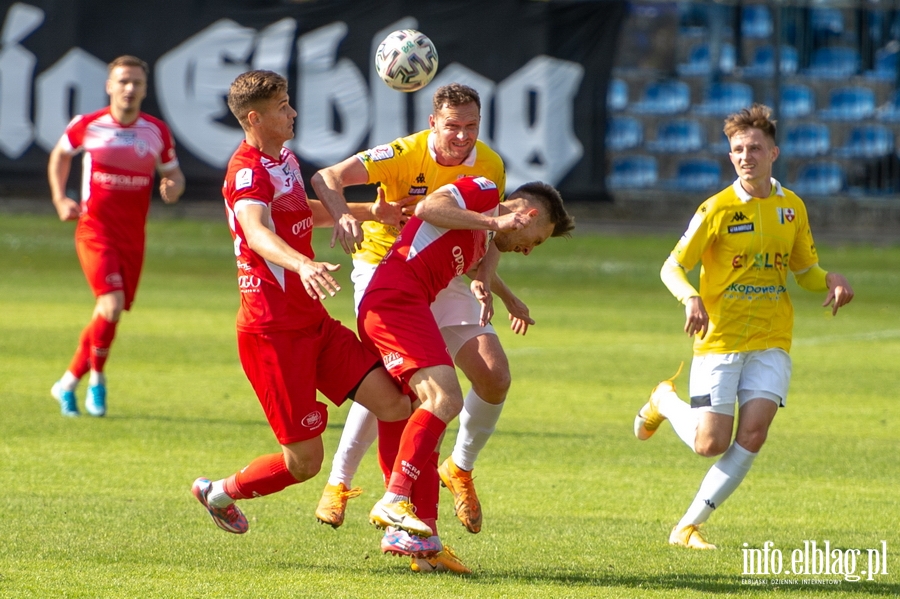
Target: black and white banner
point(541, 68)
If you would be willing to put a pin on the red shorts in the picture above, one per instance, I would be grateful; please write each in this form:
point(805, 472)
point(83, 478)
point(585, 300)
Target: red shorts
point(402, 329)
point(108, 269)
point(286, 367)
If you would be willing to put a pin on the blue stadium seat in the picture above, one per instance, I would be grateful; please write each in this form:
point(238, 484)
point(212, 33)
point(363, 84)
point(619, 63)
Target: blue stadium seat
point(797, 101)
point(806, 139)
point(633, 172)
point(849, 104)
point(763, 64)
point(696, 175)
point(885, 63)
point(756, 21)
point(826, 21)
point(617, 95)
point(664, 97)
point(820, 178)
point(725, 98)
point(890, 112)
point(623, 133)
point(867, 141)
point(834, 62)
point(679, 136)
point(700, 63)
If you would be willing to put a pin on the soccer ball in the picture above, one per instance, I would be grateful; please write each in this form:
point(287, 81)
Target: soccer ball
point(406, 60)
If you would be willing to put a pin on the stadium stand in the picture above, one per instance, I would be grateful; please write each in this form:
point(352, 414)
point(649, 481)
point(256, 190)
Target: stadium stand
point(851, 103)
point(696, 175)
point(867, 141)
point(630, 172)
point(664, 97)
point(677, 136)
point(820, 178)
point(806, 140)
point(624, 133)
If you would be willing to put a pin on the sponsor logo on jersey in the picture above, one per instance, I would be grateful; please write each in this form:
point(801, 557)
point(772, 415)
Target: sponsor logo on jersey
point(114, 279)
point(399, 149)
point(302, 227)
point(243, 178)
point(249, 283)
point(382, 152)
point(459, 261)
point(738, 217)
point(745, 228)
point(111, 181)
point(765, 261)
point(418, 190)
point(243, 266)
point(484, 183)
point(753, 292)
point(313, 420)
point(421, 178)
point(786, 215)
point(392, 360)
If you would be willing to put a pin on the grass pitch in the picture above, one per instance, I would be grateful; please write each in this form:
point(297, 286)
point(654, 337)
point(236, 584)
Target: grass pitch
point(574, 505)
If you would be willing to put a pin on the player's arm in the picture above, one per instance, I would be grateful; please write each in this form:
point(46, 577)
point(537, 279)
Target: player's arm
point(815, 278)
point(442, 209)
point(388, 213)
point(481, 283)
point(329, 184)
point(675, 278)
point(519, 316)
point(315, 275)
point(171, 184)
point(58, 167)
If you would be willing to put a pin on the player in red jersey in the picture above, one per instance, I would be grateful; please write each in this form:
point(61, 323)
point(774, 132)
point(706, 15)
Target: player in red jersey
point(460, 228)
point(288, 344)
point(123, 148)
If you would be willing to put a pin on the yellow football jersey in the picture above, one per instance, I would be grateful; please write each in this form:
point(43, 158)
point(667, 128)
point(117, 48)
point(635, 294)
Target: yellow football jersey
point(407, 167)
point(746, 246)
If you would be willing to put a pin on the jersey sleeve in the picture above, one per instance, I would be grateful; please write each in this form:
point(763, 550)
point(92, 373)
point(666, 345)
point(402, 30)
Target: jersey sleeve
point(696, 239)
point(247, 183)
point(382, 162)
point(478, 194)
point(167, 158)
point(73, 137)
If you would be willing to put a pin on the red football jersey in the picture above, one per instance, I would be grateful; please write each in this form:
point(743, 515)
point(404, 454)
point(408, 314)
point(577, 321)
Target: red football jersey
point(272, 297)
point(118, 173)
point(426, 258)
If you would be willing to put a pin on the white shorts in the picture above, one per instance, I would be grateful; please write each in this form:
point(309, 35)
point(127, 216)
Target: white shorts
point(455, 309)
point(718, 379)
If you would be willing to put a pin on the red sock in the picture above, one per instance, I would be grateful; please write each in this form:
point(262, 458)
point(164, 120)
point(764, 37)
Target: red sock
point(102, 337)
point(265, 475)
point(81, 361)
point(419, 441)
point(425, 493)
point(389, 434)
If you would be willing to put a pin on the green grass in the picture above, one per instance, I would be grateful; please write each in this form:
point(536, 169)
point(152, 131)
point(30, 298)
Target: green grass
point(574, 505)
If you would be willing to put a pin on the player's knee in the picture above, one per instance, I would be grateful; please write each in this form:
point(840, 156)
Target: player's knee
point(709, 447)
point(303, 470)
point(752, 440)
point(492, 384)
point(394, 410)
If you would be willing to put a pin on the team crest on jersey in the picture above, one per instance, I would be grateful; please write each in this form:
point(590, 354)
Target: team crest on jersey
point(140, 147)
point(244, 178)
point(786, 215)
point(484, 183)
point(382, 152)
point(312, 420)
point(392, 360)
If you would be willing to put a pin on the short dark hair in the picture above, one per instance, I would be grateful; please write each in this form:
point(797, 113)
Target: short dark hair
point(128, 61)
point(549, 198)
point(758, 116)
point(250, 89)
point(455, 94)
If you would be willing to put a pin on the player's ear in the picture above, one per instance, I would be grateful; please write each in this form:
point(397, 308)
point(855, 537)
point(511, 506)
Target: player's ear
point(253, 118)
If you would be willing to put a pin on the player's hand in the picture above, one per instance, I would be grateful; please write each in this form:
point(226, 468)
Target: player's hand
point(67, 209)
point(514, 221)
point(839, 291)
point(519, 317)
point(170, 190)
point(696, 318)
point(394, 214)
point(484, 296)
point(316, 279)
point(348, 231)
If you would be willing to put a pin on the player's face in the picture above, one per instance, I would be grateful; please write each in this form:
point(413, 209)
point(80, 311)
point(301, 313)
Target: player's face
point(752, 154)
point(127, 88)
point(456, 131)
point(276, 119)
point(524, 240)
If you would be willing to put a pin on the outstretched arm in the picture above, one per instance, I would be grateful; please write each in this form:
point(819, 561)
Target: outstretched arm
point(329, 184)
point(441, 210)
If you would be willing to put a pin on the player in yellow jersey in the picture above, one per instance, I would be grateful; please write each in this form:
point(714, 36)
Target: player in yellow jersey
point(746, 239)
point(415, 166)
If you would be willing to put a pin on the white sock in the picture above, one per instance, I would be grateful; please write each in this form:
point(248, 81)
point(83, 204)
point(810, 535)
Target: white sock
point(360, 431)
point(394, 498)
point(477, 422)
point(96, 378)
point(68, 381)
point(217, 497)
point(719, 483)
point(684, 419)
